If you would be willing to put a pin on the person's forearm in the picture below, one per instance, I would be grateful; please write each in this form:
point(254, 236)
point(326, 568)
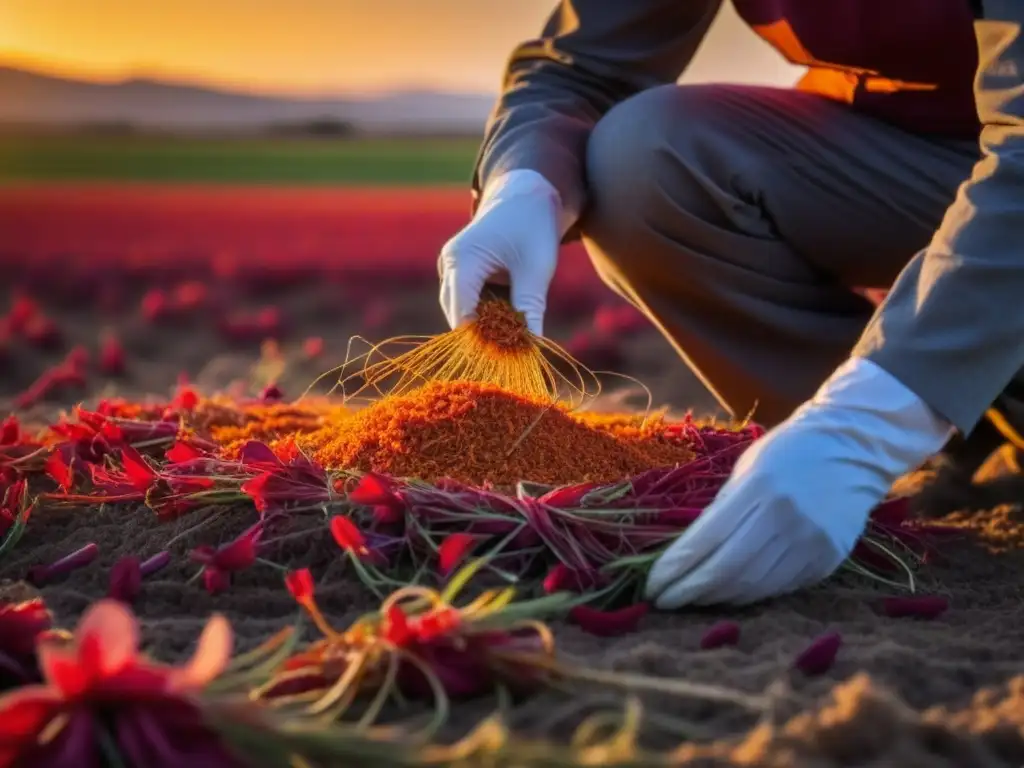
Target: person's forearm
point(591, 55)
point(952, 328)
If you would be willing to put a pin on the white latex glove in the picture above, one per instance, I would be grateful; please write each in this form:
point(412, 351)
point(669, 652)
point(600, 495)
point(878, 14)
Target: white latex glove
point(799, 498)
point(514, 239)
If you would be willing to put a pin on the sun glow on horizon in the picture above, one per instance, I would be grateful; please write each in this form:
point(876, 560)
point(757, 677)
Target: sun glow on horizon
point(316, 47)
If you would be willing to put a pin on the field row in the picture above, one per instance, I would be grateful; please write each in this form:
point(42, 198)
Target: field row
point(237, 230)
point(241, 161)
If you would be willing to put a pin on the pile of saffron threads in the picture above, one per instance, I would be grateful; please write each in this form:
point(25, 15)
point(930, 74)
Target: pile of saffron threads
point(481, 434)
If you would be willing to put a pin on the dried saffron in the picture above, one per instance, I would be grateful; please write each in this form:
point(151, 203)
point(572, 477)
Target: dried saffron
point(479, 433)
point(265, 422)
point(479, 405)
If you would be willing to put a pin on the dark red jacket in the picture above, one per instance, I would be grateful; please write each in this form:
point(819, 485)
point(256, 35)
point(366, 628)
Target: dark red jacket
point(909, 62)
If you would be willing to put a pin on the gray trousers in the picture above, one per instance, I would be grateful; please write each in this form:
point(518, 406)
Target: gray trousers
point(740, 219)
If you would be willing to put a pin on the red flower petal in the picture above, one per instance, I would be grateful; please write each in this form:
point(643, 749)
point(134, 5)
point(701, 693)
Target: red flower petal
point(313, 347)
point(300, 584)
point(387, 515)
point(65, 673)
point(453, 549)
point(608, 623)
point(348, 536)
point(125, 579)
point(139, 473)
point(186, 399)
point(395, 627)
point(204, 554)
point(372, 489)
point(10, 431)
point(256, 490)
point(563, 578)
point(921, 606)
point(111, 356)
point(721, 633)
point(817, 657)
point(12, 498)
point(567, 495)
point(238, 554)
point(257, 454)
point(181, 452)
point(215, 580)
point(22, 716)
point(435, 624)
point(60, 471)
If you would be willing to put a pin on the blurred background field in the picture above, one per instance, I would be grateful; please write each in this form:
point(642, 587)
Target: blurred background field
point(256, 160)
point(166, 169)
point(227, 193)
point(214, 176)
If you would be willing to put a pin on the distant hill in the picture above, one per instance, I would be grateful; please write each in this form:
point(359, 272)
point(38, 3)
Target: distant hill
point(29, 98)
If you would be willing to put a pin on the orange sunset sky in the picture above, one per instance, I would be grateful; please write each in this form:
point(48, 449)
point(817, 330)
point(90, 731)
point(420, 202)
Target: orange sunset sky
point(316, 46)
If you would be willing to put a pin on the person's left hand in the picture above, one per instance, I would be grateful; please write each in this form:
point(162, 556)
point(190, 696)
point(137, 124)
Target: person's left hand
point(799, 498)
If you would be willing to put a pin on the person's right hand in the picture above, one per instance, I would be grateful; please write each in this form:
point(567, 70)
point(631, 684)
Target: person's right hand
point(513, 238)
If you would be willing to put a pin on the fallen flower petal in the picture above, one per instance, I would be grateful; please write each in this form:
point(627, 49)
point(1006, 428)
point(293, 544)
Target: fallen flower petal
point(21, 624)
point(139, 473)
point(186, 399)
point(395, 627)
point(299, 584)
point(125, 579)
point(10, 431)
point(236, 555)
point(60, 471)
point(348, 536)
point(919, 606)
point(42, 332)
point(567, 496)
point(719, 634)
point(111, 356)
point(608, 623)
point(437, 623)
point(257, 454)
point(453, 549)
point(215, 580)
point(387, 515)
point(817, 658)
point(371, 490)
point(154, 305)
point(563, 578)
point(23, 308)
point(313, 347)
point(182, 452)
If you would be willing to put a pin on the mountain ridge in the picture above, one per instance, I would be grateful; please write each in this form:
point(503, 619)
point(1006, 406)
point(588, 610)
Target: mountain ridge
point(38, 99)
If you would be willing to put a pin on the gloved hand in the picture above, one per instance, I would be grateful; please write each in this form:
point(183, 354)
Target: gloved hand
point(799, 498)
point(513, 237)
